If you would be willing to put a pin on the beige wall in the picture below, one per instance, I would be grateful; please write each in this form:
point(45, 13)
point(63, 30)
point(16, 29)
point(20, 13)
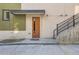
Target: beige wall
point(48, 23)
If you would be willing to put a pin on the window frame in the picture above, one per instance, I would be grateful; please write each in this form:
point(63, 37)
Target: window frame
point(4, 15)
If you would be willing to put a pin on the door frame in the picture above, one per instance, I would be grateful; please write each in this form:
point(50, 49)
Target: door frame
point(39, 25)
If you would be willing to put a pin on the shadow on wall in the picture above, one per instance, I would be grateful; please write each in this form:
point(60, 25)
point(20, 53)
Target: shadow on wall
point(69, 36)
point(12, 35)
point(11, 40)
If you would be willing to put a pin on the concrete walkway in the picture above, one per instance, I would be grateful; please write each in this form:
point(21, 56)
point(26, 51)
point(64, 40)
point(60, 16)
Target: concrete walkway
point(39, 49)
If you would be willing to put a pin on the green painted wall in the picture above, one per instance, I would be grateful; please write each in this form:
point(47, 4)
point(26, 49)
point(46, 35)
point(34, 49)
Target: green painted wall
point(10, 5)
point(9, 25)
point(19, 22)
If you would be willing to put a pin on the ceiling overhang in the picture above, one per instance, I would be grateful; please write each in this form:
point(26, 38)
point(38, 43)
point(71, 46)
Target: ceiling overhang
point(16, 12)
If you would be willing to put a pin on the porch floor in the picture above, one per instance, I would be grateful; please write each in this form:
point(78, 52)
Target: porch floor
point(30, 41)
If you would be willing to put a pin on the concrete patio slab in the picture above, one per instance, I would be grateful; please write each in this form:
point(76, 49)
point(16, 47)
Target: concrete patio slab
point(39, 50)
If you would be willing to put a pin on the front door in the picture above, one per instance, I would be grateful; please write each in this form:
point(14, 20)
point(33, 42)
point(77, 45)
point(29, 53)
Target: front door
point(35, 27)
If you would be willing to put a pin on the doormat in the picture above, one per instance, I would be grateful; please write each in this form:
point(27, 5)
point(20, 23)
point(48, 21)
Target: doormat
point(35, 39)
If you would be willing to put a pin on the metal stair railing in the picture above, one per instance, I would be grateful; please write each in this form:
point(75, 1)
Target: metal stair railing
point(66, 24)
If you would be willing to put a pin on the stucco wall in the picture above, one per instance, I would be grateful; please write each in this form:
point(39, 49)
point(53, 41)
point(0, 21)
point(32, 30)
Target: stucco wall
point(12, 35)
point(54, 12)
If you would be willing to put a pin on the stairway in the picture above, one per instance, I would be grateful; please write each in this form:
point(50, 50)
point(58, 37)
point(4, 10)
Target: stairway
point(67, 31)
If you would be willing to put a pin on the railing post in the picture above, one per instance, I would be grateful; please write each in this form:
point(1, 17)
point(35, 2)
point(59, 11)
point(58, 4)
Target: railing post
point(57, 29)
point(53, 34)
point(73, 21)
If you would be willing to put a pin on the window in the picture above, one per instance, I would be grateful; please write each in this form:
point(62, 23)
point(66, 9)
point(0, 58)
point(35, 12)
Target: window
point(6, 15)
point(34, 24)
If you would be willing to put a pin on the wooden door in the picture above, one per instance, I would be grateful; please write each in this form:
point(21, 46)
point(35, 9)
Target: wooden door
point(35, 27)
